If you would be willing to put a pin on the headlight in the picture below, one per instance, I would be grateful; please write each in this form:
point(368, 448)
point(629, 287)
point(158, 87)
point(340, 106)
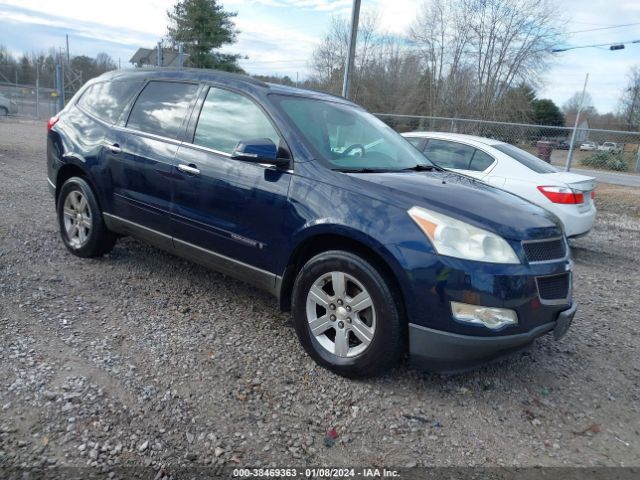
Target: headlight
point(454, 238)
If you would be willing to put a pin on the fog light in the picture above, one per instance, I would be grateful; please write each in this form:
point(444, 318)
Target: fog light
point(490, 317)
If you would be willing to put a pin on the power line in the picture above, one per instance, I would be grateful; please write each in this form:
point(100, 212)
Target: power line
point(610, 44)
point(604, 28)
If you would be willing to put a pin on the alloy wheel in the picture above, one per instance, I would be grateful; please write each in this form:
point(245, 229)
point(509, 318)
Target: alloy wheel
point(341, 314)
point(77, 219)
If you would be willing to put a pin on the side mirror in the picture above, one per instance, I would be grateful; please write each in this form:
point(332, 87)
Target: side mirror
point(258, 150)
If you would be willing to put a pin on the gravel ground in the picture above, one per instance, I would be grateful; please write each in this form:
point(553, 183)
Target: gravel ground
point(143, 359)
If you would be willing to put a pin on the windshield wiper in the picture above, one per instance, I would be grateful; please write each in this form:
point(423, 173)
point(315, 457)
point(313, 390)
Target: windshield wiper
point(423, 168)
point(359, 170)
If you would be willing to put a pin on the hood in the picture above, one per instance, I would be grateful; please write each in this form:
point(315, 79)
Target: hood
point(466, 199)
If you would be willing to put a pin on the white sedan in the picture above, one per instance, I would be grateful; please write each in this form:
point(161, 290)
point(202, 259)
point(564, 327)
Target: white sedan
point(568, 195)
point(588, 146)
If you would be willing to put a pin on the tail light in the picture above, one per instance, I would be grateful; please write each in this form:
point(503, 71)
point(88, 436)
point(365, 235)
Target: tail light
point(593, 194)
point(562, 195)
point(52, 121)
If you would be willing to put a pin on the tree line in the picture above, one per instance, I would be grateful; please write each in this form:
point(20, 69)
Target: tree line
point(29, 67)
point(481, 59)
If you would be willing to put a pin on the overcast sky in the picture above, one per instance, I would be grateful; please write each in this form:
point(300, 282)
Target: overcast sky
point(279, 35)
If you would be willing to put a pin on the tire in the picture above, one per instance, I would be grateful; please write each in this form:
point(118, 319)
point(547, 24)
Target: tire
point(4, 112)
point(322, 311)
point(77, 206)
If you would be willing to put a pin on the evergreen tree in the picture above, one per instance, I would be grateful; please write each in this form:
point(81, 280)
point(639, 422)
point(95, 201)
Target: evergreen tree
point(545, 112)
point(203, 26)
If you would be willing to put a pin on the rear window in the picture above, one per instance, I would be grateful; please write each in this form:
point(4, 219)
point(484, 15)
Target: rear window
point(480, 161)
point(162, 107)
point(525, 158)
point(106, 100)
point(447, 154)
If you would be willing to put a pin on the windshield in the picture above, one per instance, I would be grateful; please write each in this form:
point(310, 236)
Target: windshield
point(349, 138)
point(525, 158)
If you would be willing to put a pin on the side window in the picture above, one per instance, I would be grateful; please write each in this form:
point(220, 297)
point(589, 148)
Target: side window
point(449, 154)
point(106, 100)
point(162, 107)
point(228, 117)
point(416, 142)
point(480, 161)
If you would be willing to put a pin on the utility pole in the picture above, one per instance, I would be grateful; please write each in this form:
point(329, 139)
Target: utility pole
point(355, 17)
point(38, 88)
point(575, 126)
point(633, 106)
point(180, 55)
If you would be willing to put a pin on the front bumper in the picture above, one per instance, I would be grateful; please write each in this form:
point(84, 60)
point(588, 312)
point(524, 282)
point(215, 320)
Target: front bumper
point(446, 352)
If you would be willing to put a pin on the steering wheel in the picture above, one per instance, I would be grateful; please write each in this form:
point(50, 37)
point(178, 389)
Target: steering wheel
point(355, 146)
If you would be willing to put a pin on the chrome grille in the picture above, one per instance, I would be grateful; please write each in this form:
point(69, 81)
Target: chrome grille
point(545, 250)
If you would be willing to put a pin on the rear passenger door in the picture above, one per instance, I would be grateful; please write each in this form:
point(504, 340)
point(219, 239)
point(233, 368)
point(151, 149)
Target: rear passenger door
point(459, 157)
point(229, 213)
point(141, 157)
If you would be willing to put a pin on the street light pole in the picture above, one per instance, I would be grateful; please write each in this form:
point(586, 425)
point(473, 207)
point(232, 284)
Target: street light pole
point(575, 126)
point(355, 16)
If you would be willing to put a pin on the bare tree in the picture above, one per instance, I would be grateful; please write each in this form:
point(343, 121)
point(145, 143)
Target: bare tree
point(510, 43)
point(461, 58)
point(629, 106)
point(442, 33)
point(329, 58)
point(571, 106)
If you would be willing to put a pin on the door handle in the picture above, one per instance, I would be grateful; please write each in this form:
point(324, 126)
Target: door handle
point(192, 169)
point(115, 148)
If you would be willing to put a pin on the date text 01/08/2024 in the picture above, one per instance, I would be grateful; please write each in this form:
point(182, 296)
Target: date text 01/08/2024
point(314, 473)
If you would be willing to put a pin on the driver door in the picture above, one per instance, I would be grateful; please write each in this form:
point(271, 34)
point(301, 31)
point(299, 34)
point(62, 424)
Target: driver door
point(227, 212)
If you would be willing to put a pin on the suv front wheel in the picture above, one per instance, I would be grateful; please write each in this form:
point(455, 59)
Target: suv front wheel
point(346, 316)
point(80, 219)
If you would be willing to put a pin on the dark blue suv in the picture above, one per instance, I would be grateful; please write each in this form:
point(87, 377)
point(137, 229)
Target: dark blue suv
point(375, 250)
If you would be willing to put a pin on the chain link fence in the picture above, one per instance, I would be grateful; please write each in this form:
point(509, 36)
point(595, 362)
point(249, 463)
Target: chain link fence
point(614, 149)
point(29, 101)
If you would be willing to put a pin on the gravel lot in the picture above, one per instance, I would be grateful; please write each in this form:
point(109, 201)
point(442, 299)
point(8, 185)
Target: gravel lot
point(141, 358)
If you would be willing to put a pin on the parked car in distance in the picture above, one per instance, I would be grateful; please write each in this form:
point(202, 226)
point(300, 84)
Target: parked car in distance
point(610, 147)
point(567, 195)
point(373, 248)
point(7, 106)
point(563, 145)
point(588, 146)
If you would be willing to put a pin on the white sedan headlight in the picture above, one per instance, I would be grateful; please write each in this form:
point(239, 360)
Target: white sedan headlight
point(458, 239)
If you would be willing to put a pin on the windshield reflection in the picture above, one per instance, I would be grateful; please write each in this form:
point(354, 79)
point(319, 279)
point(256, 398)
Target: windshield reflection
point(348, 138)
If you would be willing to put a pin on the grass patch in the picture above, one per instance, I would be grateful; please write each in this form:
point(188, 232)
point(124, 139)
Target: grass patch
point(606, 160)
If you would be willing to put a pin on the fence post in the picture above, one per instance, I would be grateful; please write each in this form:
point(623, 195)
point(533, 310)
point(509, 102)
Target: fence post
point(638, 159)
point(59, 88)
point(37, 90)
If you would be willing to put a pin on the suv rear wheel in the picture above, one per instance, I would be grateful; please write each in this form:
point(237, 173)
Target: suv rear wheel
point(81, 226)
point(346, 316)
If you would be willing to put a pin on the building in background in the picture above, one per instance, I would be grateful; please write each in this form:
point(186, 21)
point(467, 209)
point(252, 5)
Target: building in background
point(149, 57)
point(582, 134)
